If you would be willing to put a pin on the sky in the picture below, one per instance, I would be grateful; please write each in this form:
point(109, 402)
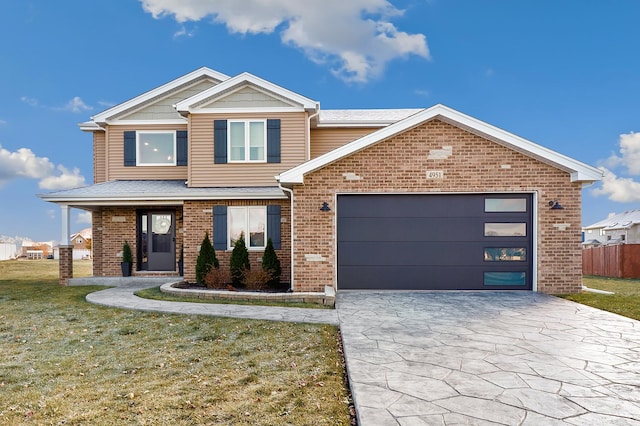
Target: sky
point(563, 74)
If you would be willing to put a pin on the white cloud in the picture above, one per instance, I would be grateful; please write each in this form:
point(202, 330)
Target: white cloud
point(354, 37)
point(66, 179)
point(620, 189)
point(629, 154)
point(51, 213)
point(183, 32)
point(23, 163)
point(623, 189)
point(76, 105)
point(30, 101)
point(3, 122)
point(106, 104)
point(84, 217)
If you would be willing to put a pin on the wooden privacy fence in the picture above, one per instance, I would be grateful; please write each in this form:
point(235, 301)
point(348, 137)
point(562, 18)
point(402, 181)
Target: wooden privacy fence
point(620, 261)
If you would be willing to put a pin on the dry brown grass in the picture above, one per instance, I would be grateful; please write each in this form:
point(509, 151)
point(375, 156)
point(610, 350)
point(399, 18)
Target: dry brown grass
point(65, 361)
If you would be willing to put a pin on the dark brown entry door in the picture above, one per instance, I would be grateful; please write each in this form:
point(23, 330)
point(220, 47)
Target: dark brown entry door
point(157, 241)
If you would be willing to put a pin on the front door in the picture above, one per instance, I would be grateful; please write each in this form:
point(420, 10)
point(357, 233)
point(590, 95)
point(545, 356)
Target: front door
point(157, 241)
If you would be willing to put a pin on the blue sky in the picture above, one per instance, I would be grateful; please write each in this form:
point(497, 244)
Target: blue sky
point(561, 74)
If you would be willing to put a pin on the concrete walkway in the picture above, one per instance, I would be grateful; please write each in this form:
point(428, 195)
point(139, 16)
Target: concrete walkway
point(123, 296)
point(486, 358)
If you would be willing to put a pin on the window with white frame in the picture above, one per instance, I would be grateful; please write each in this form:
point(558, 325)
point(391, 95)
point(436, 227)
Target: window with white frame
point(251, 222)
point(155, 148)
point(247, 140)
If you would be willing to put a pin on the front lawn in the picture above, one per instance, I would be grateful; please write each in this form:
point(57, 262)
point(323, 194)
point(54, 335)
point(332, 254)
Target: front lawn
point(625, 301)
point(64, 361)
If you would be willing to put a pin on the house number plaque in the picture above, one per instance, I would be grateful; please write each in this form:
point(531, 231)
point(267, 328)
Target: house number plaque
point(435, 174)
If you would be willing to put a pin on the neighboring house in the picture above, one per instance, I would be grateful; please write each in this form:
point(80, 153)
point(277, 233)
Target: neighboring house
point(352, 199)
point(81, 242)
point(622, 228)
point(36, 250)
point(8, 251)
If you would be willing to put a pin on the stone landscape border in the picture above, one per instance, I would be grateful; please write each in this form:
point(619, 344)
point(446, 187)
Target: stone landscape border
point(328, 298)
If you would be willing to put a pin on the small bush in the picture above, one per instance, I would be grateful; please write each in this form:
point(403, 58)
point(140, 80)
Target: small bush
point(256, 279)
point(127, 255)
point(206, 259)
point(217, 278)
point(239, 261)
point(271, 264)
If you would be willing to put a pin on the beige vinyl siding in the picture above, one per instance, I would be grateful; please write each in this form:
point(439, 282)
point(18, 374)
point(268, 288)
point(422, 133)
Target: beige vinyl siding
point(116, 169)
point(325, 140)
point(99, 157)
point(204, 173)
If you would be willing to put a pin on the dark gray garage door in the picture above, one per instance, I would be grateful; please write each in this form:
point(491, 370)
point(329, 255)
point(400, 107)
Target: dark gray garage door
point(435, 242)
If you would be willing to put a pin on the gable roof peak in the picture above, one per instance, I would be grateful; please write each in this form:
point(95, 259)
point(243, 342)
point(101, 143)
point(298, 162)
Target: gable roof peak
point(245, 78)
point(193, 76)
point(580, 172)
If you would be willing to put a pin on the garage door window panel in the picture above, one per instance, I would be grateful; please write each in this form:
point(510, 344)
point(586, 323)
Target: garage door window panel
point(505, 278)
point(505, 229)
point(505, 254)
point(504, 205)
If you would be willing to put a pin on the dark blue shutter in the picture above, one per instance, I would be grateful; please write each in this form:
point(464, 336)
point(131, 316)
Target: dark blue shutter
point(129, 148)
point(182, 148)
point(220, 227)
point(273, 141)
point(273, 225)
point(220, 141)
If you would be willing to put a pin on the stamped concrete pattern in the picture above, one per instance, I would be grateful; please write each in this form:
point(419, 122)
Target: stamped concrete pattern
point(487, 358)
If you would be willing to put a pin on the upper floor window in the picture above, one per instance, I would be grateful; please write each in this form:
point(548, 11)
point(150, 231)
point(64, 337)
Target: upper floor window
point(247, 140)
point(156, 148)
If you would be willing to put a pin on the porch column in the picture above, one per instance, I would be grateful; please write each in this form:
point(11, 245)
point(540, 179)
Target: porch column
point(65, 248)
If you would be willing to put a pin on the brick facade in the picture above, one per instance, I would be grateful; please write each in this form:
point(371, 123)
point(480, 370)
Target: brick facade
point(475, 164)
point(113, 225)
point(199, 219)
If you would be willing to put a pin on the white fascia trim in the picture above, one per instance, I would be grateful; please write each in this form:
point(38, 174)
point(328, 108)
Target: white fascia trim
point(165, 199)
point(244, 110)
point(146, 122)
point(579, 171)
point(242, 79)
point(90, 126)
point(200, 72)
point(343, 124)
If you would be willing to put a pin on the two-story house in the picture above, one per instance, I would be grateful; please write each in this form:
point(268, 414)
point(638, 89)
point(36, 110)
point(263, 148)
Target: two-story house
point(352, 199)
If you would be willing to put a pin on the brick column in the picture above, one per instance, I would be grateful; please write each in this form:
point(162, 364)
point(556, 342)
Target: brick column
point(66, 264)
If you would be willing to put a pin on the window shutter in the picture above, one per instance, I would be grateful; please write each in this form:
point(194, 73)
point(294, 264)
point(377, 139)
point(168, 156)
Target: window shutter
point(182, 148)
point(273, 141)
point(220, 141)
point(129, 148)
point(273, 225)
point(220, 227)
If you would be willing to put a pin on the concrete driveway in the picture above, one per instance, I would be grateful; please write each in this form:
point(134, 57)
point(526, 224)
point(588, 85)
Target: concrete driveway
point(484, 358)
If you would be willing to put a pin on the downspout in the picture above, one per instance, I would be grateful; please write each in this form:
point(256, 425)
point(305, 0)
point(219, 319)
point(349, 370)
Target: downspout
point(311, 117)
point(290, 191)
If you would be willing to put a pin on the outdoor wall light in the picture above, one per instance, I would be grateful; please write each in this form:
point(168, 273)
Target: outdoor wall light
point(325, 207)
point(555, 205)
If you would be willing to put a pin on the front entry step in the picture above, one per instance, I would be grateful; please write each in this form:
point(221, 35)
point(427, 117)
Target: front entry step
point(152, 274)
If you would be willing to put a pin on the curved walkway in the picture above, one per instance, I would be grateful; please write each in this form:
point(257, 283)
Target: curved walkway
point(123, 297)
